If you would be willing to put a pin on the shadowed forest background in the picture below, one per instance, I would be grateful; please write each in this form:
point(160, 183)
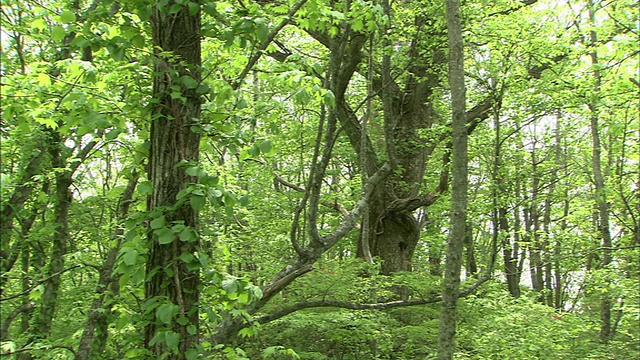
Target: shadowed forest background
point(320, 179)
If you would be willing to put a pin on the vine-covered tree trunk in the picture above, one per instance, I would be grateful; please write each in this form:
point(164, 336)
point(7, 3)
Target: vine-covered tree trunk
point(172, 288)
point(459, 172)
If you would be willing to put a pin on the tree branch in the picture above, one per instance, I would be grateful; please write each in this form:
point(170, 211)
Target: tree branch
point(51, 347)
point(38, 282)
point(258, 52)
point(358, 306)
point(4, 333)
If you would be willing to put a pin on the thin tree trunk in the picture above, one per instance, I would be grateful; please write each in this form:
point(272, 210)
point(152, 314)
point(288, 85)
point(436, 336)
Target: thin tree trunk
point(561, 162)
point(43, 317)
point(95, 333)
point(451, 285)
point(535, 261)
point(598, 177)
point(501, 232)
point(546, 251)
point(9, 252)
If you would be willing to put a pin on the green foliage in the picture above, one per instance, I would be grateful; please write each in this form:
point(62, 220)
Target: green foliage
point(74, 77)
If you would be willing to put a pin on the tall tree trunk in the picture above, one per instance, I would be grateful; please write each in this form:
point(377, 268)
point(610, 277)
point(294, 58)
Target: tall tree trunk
point(451, 285)
point(43, 317)
point(499, 216)
point(561, 163)
point(535, 259)
point(546, 250)
point(598, 178)
point(176, 40)
point(8, 251)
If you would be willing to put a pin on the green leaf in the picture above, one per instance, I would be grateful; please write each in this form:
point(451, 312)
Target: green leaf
point(186, 257)
point(192, 329)
point(272, 350)
point(254, 150)
point(262, 32)
point(192, 170)
point(230, 286)
point(39, 24)
point(188, 81)
point(265, 147)
point(244, 154)
point(138, 41)
point(175, 8)
point(158, 222)
point(188, 234)
point(144, 188)
point(302, 96)
point(210, 8)
point(133, 354)
point(193, 8)
point(165, 312)
point(144, 12)
point(191, 354)
point(209, 180)
point(130, 257)
point(113, 134)
point(116, 51)
point(229, 199)
point(197, 202)
point(67, 17)
point(172, 339)
point(49, 122)
point(182, 320)
point(256, 291)
point(329, 98)
point(244, 200)
point(243, 298)
point(58, 33)
point(44, 79)
point(165, 235)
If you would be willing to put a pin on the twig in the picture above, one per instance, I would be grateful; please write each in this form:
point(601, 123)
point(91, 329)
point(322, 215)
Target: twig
point(38, 282)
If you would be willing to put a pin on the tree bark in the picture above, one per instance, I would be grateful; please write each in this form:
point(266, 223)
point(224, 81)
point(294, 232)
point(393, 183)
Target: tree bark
point(533, 224)
point(598, 177)
point(176, 40)
point(501, 232)
point(43, 316)
point(451, 285)
point(8, 251)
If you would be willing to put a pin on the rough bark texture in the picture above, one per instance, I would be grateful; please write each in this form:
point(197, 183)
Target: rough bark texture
point(451, 285)
point(176, 38)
